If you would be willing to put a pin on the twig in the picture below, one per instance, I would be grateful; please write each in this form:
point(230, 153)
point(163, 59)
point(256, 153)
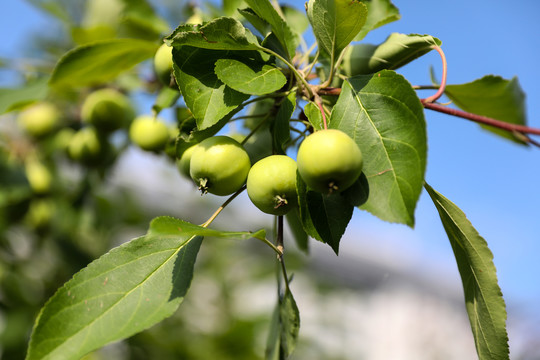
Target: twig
point(439, 92)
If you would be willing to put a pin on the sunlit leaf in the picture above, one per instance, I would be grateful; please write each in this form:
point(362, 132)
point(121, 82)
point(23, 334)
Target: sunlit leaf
point(383, 114)
point(208, 98)
point(396, 51)
point(380, 12)
point(483, 298)
point(494, 97)
point(250, 77)
point(287, 38)
point(100, 62)
point(335, 23)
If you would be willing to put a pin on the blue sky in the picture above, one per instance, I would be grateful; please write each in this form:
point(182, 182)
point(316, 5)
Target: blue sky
point(495, 182)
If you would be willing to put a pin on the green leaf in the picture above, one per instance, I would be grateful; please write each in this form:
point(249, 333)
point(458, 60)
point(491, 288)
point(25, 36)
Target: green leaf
point(140, 20)
point(380, 12)
point(53, 8)
point(335, 23)
point(396, 51)
point(324, 217)
point(208, 98)
point(166, 98)
point(223, 33)
point(100, 62)
point(284, 328)
point(494, 97)
point(258, 23)
point(281, 126)
point(250, 77)
point(483, 297)
point(314, 115)
point(287, 38)
point(383, 114)
point(15, 98)
point(127, 290)
point(300, 236)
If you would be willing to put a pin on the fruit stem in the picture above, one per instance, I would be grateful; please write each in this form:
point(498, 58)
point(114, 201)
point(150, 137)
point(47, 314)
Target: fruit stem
point(259, 125)
point(223, 206)
point(280, 247)
point(439, 92)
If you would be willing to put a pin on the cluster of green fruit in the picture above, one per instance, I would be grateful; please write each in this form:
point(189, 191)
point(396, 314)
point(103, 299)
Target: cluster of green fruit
point(328, 161)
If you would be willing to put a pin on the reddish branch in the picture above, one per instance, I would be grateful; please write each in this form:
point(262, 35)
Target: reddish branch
point(514, 128)
point(482, 119)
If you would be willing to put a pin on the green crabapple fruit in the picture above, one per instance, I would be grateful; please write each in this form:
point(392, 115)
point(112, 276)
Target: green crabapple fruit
point(149, 133)
point(329, 161)
point(39, 177)
point(271, 184)
point(183, 162)
point(39, 119)
point(107, 109)
point(85, 146)
point(219, 165)
point(163, 64)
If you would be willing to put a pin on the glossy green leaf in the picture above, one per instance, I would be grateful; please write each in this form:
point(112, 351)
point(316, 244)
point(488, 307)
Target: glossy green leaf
point(208, 98)
point(396, 51)
point(483, 297)
point(314, 115)
point(380, 12)
point(324, 217)
point(287, 38)
point(383, 114)
point(127, 290)
point(100, 62)
point(15, 98)
point(124, 292)
point(494, 97)
point(223, 33)
point(335, 23)
point(250, 77)
point(284, 328)
point(281, 126)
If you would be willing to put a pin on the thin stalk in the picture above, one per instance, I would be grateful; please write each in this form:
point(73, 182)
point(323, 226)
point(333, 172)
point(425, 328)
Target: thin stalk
point(279, 246)
point(440, 91)
point(223, 206)
point(297, 75)
point(259, 125)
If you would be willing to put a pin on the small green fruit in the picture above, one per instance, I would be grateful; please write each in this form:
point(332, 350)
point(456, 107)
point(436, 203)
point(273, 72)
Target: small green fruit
point(39, 177)
point(149, 133)
point(329, 161)
point(219, 165)
point(163, 64)
point(107, 110)
point(184, 161)
point(271, 184)
point(85, 146)
point(39, 119)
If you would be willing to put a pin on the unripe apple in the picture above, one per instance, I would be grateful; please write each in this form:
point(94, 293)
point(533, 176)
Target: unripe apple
point(219, 165)
point(184, 161)
point(85, 146)
point(329, 161)
point(163, 64)
point(39, 177)
point(39, 119)
point(271, 184)
point(149, 133)
point(107, 110)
